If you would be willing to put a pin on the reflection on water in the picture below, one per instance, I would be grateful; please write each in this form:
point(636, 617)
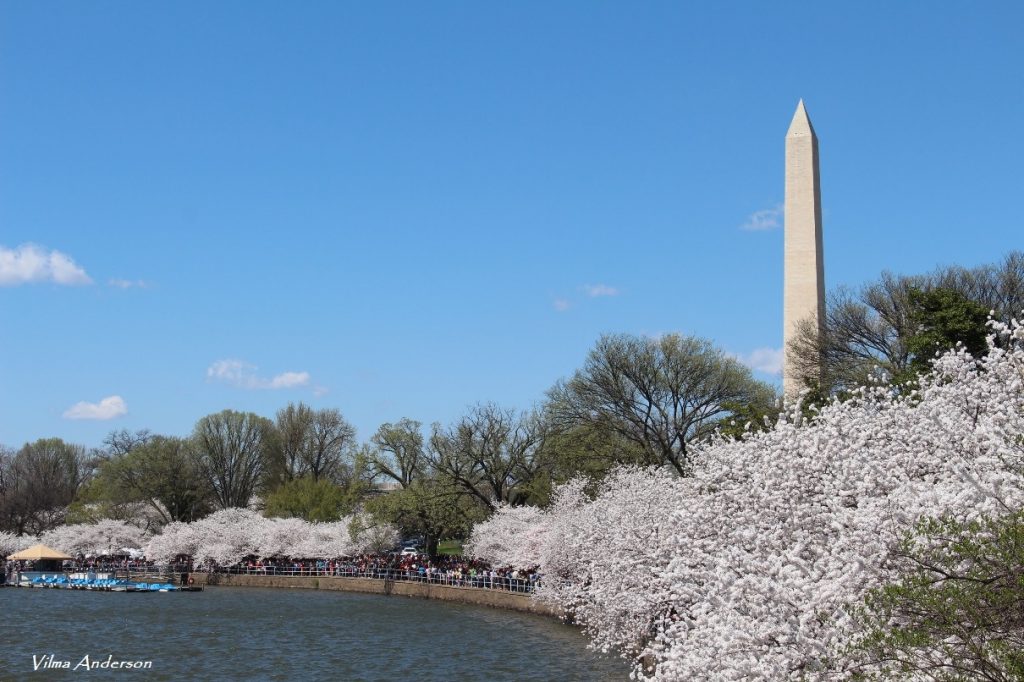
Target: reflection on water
point(248, 633)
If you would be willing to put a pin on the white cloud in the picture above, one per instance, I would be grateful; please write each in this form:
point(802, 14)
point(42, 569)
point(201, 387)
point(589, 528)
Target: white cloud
point(108, 408)
point(289, 380)
point(30, 263)
point(561, 304)
point(767, 360)
point(243, 375)
point(127, 283)
point(596, 290)
point(765, 219)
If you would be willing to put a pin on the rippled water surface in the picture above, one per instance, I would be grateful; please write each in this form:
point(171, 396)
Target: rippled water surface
point(249, 633)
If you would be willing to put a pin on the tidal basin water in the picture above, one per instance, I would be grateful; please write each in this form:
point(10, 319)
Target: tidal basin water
point(264, 634)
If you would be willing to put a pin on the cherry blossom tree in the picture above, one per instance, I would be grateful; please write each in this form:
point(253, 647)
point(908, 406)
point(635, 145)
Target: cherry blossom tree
point(513, 536)
point(753, 567)
point(105, 537)
point(370, 536)
point(324, 541)
point(11, 543)
point(177, 538)
point(279, 537)
point(228, 536)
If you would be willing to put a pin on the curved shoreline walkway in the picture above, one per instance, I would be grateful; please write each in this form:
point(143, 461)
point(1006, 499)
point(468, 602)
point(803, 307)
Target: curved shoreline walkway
point(465, 595)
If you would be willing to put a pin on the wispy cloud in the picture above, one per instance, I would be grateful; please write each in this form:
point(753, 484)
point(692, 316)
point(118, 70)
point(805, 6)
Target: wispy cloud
point(108, 408)
point(561, 304)
point(128, 283)
point(29, 263)
point(765, 219)
point(596, 290)
point(243, 375)
point(767, 360)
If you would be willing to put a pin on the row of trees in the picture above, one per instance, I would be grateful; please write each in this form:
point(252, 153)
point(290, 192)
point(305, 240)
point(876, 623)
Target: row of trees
point(224, 538)
point(635, 400)
point(231, 460)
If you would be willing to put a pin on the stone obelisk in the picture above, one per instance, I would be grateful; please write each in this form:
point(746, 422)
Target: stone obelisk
point(804, 268)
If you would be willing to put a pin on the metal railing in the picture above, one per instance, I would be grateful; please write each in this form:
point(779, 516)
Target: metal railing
point(128, 571)
point(478, 581)
point(172, 572)
point(109, 566)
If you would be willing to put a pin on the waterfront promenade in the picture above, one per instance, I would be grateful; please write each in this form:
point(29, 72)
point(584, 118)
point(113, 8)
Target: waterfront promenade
point(387, 585)
point(453, 579)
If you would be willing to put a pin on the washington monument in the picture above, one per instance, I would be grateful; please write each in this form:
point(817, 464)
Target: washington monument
point(804, 268)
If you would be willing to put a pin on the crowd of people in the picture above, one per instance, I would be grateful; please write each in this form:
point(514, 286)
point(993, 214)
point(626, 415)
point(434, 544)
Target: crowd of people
point(108, 563)
point(456, 571)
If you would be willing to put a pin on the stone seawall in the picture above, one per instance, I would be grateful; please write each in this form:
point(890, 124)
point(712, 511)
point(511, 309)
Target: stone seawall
point(465, 595)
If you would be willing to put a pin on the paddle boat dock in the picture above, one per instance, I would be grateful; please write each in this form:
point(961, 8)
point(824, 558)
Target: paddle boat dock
point(63, 581)
point(49, 573)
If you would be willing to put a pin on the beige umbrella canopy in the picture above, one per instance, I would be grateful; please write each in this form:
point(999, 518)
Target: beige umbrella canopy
point(38, 553)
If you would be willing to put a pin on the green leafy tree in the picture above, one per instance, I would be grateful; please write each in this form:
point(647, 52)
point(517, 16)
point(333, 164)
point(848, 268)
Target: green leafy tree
point(957, 612)
point(159, 472)
point(944, 318)
point(425, 501)
point(310, 499)
point(432, 507)
point(581, 451)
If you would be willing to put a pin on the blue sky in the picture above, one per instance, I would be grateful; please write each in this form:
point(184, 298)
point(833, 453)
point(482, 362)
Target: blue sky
point(402, 209)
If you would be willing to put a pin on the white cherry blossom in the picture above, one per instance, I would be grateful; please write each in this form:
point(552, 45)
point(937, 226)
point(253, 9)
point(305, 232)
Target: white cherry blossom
point(104, 537)
point(750, 568)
